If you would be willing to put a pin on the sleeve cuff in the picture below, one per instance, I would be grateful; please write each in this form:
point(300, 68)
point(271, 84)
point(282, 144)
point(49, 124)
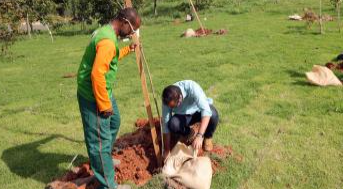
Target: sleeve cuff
point(206, 113)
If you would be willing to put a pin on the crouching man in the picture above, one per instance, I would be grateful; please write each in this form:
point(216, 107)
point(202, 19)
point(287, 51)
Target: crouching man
point(185, 103)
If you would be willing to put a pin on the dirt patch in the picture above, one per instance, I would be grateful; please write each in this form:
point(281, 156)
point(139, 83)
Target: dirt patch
point(177, 21)
point(330, 65)
point(141, 122)
point(137, 160)
point(310, 15)
point(221, 32)
point(136, 154)
point(203, 32)
point(199, 32)
point(222, 152)
point(328, 18)
point(69, 75)
point(333, 66)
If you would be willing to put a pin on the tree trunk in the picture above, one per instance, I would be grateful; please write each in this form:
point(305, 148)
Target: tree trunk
point(321, 17)
point(28, 29)
point(31, 25)
point(82, 21)
point(155, 7)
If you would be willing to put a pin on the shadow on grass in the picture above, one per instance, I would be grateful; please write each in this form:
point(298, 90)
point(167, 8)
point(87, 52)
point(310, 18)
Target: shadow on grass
point(303, 83)
point(27, 161)
point(296, 74)
point(302, 30)
point(275, 12)
point(69, 33)
point(299, 75)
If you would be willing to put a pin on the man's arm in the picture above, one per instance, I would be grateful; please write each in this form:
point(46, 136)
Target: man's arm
point(206, 113)
point(201, 101)
point(105, 51)
point(166, 133)
point(166, 141)
point(204, 123)
point(124, 52)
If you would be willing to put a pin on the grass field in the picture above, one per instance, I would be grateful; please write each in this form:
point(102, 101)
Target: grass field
point(289, 132)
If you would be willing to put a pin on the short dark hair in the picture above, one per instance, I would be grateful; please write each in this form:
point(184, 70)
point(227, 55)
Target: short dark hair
point(128, 13)
point(171, 93)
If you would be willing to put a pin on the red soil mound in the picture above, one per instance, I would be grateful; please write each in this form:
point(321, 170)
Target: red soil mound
point(137, 160)
point(332, 66)
point(200, 32)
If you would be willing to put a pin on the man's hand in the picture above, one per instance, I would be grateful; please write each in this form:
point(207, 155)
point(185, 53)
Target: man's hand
point(132, 47)
point(197, 143)
point(107, 113)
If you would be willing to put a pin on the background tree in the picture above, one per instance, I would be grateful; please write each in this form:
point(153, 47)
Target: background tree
point(105, 10)
point(72, 4)
point(14, 12)
point(61, 7)
point(155, 7)
point(202, 4)
point(82, 12)
point(10, 17)
point(36, 10)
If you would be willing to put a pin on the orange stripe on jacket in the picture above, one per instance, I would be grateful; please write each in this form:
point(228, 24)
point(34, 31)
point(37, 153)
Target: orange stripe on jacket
point(123, 52)
point(105, 51)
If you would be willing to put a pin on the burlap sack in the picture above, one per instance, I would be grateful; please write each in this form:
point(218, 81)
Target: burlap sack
point(183, 166)
point(322, 76)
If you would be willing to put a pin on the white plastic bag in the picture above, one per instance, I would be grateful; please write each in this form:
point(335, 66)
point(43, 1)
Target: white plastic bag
point(183, 166)
point(189, 33)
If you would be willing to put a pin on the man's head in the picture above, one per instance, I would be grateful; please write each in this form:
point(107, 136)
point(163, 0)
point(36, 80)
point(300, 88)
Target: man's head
point(172, 96)
point(127, 22)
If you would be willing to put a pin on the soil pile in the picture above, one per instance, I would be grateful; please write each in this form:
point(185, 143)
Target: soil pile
point(333, 66)
point(137, 160)
point(199, 32)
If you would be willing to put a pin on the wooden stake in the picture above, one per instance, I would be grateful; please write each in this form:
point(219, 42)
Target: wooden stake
point(338, 6)
point(196, 15)
point(321, 17)
point(155, 98)
point(147, 104)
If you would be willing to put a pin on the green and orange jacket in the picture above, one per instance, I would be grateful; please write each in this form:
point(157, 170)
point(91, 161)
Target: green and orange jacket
point(98, 68)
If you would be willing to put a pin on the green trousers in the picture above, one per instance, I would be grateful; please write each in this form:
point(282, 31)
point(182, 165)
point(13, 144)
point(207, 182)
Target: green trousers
point(100, 134)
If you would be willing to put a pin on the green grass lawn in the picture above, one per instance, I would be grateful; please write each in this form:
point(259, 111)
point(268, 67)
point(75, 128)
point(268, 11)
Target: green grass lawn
point(289, 132)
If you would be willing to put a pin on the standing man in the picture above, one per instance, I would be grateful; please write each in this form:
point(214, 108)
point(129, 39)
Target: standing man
point(184, 104)
point(98, 107)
